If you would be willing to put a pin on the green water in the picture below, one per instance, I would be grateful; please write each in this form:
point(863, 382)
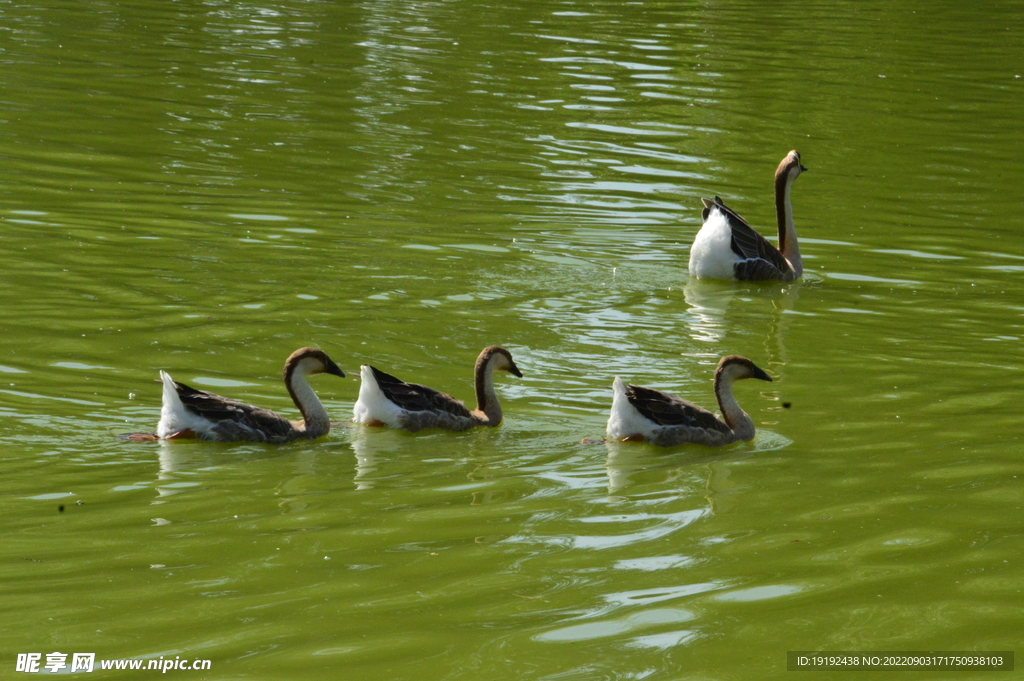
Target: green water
point(203, 187)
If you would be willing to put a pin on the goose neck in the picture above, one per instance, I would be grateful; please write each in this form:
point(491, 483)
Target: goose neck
point(315, 421)
point(486, 398)
point(733, 415)
point(788, 245)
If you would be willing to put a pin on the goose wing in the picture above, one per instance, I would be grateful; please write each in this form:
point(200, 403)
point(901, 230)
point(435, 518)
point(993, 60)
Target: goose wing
point(760, 259)
point(233, 419)
point(416, 397)
point(666, 409)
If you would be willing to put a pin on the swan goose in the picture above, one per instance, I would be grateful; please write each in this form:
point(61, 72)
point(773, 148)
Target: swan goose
point(188, 413)
point(387, 401)
point(727, 247)
point(648, 415)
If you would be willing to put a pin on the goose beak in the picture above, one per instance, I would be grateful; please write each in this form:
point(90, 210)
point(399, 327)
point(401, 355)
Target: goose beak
point(514, 370)
point(803, 168)
point(332, 368)
point(758, 373)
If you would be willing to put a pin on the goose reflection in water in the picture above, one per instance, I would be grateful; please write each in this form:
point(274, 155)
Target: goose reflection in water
point(710, 303)
point(628, 465)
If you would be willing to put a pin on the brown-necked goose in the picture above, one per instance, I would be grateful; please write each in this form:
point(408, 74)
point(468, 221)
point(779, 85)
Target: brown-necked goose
point(727, 247)
point(387, 401)
point(648, 415)
point(197, 414)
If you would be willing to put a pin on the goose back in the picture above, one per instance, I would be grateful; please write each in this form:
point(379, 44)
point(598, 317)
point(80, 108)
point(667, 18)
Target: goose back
point(757, 259)
point(215, 418)
point(666, 409)
point(388, 400)
point(414, 397)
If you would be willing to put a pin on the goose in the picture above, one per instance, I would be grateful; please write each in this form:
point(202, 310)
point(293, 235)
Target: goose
point(648, 415)
point(727, 247)
point(387, 401)
point(188, 413)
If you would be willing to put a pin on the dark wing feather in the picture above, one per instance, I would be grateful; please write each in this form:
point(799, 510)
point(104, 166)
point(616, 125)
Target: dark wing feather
point(761, 260)
point(236, 420)
point(759, 270)
point(416, 397)
point(666, 409)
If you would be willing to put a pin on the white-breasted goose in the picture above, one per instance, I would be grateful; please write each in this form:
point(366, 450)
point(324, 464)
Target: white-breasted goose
point(648, 415)
point(197, 414)
point(727, 247)
point(387, 401)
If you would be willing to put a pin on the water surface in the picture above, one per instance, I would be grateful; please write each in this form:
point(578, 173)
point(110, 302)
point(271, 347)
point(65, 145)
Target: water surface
point(203, 187)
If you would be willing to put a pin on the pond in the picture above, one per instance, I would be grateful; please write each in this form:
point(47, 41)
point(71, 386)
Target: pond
point(204, 187)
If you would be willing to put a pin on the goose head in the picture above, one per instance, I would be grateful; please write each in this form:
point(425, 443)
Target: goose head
point(790, 167)
point(307, 361)
point(499, 359)
point(733, 368)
